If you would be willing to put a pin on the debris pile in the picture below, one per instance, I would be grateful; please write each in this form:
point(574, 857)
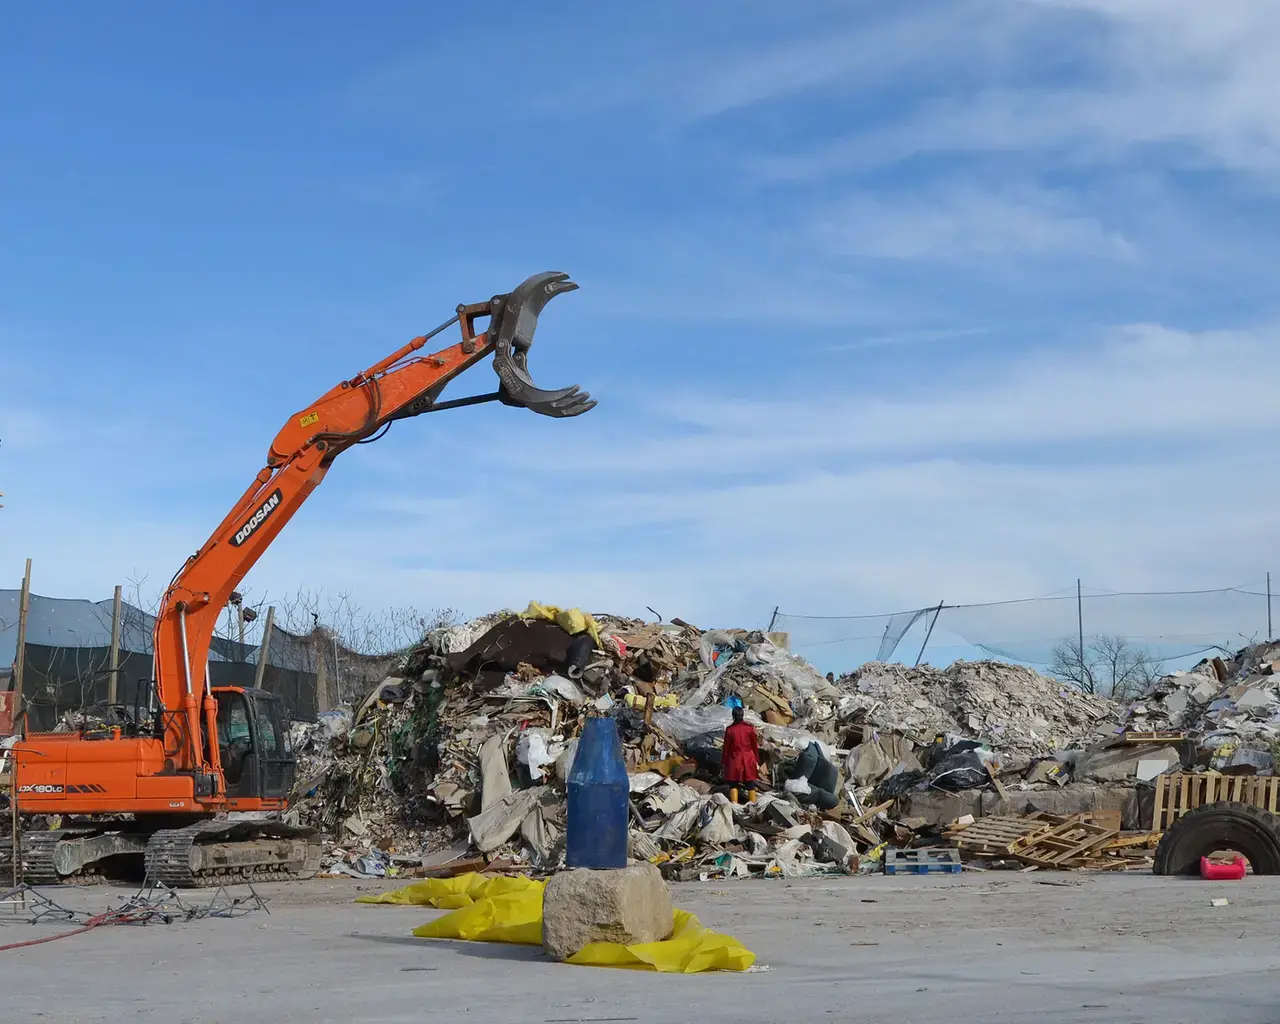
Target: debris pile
point(1230, 705)
point(459, 760)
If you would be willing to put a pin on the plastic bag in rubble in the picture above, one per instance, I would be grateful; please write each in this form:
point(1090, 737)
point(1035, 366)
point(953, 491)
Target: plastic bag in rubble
point(706, 689)
point(535, 750)
point(564, 763)
point(963, 770)
point(714, 645)
point(684, 723)
point(331, 725)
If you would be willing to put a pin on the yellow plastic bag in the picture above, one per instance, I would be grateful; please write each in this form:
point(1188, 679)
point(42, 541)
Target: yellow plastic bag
point(510, 910)
point(572, 620)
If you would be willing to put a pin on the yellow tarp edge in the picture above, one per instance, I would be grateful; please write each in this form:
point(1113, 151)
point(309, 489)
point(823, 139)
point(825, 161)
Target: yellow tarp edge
point(572, 620)
point(504, 909)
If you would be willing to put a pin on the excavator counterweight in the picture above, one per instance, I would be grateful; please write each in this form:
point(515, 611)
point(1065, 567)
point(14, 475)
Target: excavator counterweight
point(198, 753)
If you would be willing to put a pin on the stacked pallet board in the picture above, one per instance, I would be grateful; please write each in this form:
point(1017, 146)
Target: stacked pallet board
point(1180, 792)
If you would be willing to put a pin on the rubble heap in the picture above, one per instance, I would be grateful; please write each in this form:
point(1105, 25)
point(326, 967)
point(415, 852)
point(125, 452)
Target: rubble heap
point(460, 759)
point(1022, 713)
point(1231, 706)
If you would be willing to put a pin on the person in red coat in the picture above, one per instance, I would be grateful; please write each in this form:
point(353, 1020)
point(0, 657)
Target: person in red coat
point(740, 758)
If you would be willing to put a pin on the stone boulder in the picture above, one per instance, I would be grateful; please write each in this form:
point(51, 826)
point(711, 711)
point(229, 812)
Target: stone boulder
point(628, 906)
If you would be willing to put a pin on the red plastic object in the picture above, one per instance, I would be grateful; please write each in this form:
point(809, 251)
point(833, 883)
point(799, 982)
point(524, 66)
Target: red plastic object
point(1217, 872)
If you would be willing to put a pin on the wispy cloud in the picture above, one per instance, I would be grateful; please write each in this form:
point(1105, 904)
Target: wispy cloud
point(960, 222)
point(1135, 73)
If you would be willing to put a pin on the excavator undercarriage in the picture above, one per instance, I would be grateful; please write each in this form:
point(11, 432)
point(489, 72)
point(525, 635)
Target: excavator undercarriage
point(210, 852)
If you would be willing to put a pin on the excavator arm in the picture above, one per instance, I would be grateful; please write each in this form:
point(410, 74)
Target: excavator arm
point(403, 384)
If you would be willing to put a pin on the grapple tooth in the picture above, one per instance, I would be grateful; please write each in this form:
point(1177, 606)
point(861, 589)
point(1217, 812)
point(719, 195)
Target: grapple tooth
point(517, 319)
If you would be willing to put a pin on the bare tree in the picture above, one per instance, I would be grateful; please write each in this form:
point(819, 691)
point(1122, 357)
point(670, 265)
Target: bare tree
point(1072, 664)
point(1109, 665)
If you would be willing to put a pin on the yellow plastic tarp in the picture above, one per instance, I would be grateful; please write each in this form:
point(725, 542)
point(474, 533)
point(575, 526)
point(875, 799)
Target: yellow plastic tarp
point(572, 620)
point(451, 893)
point(510, 910)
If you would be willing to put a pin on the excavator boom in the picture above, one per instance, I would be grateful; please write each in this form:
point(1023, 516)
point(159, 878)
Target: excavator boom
point(177, 768)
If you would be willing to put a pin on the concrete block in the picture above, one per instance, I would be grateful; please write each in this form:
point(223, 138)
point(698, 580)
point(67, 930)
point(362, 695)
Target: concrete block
point(1077, 798)
point(1120, 764)
point(630, 905)
point(937, 807)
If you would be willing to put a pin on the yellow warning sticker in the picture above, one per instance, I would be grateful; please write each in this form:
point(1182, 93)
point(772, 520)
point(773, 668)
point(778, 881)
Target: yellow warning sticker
point(308, 419)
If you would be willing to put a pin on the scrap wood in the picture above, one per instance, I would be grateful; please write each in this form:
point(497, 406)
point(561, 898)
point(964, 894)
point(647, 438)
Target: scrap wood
point(1135, 737)
point(1072, 842)
point(867, 815)
point(995, 781)
point(995, 836)
point(1111, 819)
point(1137, 839)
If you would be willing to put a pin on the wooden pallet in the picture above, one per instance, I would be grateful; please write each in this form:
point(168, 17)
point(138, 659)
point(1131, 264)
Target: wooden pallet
point(995, 837)
point(1180, 792)
point(1072, 844)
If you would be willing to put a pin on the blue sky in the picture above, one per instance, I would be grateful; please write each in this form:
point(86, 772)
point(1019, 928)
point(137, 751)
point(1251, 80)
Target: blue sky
point(882, 303)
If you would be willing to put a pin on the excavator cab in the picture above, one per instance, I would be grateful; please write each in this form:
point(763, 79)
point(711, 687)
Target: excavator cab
point(253, 742)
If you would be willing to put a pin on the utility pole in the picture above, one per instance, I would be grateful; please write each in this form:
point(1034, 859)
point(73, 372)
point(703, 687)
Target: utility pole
point(265, 649)
point(1080, 621)
point(20, 660)
point(113, 665)
point(1270, 633)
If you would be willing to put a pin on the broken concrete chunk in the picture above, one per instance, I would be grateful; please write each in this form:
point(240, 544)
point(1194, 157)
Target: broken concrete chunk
point(627, 906)
point(1176, 703)
point(1205, 691)
point(1255, 697)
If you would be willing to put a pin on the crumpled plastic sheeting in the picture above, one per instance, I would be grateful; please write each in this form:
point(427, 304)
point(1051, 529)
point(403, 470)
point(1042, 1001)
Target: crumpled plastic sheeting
point(691, 949)
point(510, 910)
point(572, 620)
point(451, 893)
point(493, 827)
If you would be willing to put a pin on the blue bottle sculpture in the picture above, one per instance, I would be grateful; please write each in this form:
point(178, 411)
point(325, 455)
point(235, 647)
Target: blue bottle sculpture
point(596, 832)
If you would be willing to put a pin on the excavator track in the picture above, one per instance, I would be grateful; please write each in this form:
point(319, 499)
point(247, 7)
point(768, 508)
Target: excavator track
point(226, 852)
point(69, 856)
point(38, 852)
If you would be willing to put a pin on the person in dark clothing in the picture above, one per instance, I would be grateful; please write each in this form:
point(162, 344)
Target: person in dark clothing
point(741, 756)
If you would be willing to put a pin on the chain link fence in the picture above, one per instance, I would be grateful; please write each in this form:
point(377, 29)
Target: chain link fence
point(68, 649)
point(1167, 627)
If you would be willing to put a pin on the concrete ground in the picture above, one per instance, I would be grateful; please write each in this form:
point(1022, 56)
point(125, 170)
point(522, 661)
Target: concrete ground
point(979, 947)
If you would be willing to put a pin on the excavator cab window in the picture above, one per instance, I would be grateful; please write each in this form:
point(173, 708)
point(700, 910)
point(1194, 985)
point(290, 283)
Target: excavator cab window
point(253, 743)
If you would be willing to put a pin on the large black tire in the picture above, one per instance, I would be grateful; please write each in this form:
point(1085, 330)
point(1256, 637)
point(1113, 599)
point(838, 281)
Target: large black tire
point(1248, 830)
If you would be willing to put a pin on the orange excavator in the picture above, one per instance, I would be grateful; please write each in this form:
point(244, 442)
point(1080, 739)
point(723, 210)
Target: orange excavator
point(192, 782)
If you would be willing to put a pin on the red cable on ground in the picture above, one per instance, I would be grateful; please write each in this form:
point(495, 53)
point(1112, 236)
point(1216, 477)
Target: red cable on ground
point(92, 923)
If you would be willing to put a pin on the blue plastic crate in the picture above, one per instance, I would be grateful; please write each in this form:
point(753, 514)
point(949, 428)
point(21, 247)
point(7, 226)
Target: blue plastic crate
point(933, 860)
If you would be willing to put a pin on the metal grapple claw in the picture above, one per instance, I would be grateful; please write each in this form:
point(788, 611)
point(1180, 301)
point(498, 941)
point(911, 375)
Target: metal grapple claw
point(515, 318)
